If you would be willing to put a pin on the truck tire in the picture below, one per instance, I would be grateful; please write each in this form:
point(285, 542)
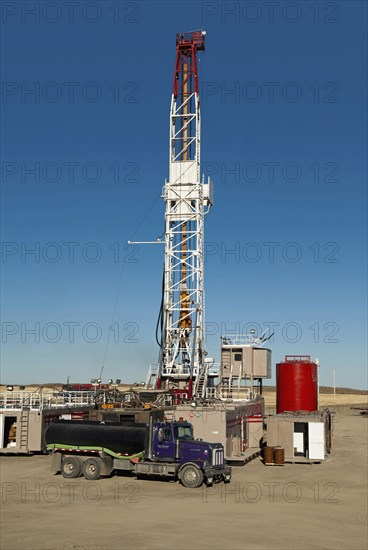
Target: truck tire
point(92, 468)
point(191, 476)
point(71, 467)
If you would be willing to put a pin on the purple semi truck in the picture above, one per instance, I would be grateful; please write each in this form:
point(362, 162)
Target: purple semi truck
point(96, 449)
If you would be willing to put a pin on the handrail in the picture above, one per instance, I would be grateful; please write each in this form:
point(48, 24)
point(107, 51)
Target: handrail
point(41, 400)
point(305, 358)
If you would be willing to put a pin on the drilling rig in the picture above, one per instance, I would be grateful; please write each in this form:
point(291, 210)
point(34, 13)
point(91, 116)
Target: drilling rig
point(183, 367)
point(234, 411)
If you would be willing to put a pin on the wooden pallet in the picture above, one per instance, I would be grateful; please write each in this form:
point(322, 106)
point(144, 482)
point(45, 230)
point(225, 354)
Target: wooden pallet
point(305, 461)
point(246, 456)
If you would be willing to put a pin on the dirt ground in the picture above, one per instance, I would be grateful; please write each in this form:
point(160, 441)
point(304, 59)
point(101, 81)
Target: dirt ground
point(292, 507)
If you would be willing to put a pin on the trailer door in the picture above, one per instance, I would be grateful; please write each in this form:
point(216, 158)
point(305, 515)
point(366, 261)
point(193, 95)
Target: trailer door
point(316, 440)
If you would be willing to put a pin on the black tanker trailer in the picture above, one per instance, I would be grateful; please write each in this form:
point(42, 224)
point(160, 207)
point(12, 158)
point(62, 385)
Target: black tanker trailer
point(120, 438)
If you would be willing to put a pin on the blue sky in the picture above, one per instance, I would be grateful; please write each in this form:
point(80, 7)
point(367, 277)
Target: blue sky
point(283, 138)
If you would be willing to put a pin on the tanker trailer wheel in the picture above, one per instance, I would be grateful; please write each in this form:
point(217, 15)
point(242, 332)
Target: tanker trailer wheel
point(92, 468)
point(191, 476)
point(71, 467)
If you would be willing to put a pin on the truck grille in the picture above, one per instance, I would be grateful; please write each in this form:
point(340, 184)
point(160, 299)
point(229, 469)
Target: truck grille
point(217, 457)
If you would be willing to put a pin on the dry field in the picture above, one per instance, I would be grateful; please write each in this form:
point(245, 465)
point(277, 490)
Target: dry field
point(321, 506)
point(326, 399)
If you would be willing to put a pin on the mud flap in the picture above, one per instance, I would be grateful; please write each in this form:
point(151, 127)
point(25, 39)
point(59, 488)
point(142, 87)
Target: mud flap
point(55, 462)
point(107, 465)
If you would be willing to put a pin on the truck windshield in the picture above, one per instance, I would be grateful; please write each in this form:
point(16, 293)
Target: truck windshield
point(183, 432)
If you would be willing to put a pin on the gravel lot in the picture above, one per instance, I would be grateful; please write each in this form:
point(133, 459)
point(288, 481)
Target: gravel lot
point(291, 507)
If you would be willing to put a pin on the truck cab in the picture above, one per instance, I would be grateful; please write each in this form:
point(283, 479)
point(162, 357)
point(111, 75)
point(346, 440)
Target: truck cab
point(167, 439)
point(196, 459)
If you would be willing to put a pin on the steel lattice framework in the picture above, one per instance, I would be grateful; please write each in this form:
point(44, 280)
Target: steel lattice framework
point(187, 199)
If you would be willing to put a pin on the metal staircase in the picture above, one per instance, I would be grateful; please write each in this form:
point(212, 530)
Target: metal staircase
point(201, 383)
point(24, 421)
point(151, 377)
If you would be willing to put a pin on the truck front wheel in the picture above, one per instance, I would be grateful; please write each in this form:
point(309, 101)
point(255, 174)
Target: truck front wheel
point(92, 469)
point(191, 476)
point(70, 467)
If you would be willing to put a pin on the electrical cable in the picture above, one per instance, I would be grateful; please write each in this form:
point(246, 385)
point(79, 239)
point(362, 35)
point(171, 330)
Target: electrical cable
point(120, 282)
point(160, 318)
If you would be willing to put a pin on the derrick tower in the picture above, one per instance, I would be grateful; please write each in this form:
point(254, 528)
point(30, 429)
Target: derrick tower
point(182, 366)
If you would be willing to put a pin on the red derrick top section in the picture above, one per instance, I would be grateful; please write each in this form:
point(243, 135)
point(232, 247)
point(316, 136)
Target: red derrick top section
point(185, 74)
point(191, 39)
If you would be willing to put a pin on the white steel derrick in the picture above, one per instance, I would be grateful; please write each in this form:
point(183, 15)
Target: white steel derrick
point(187, 199)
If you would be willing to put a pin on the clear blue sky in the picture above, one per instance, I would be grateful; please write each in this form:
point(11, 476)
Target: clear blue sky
point(283, 135)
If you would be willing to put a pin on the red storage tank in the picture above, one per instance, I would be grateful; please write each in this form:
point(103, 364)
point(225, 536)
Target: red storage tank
point(296, 384)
